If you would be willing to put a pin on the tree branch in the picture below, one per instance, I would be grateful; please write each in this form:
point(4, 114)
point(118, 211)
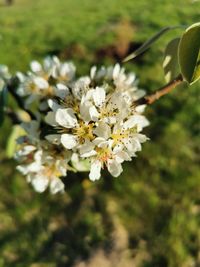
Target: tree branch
point(161, 92)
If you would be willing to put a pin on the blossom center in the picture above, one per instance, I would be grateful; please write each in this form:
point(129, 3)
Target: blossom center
point(104, 153)
point(85, 131)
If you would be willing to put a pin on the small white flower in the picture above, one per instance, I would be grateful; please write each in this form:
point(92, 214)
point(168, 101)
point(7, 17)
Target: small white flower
point(87, 123)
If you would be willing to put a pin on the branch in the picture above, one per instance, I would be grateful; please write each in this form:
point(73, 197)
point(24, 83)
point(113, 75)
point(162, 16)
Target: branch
point(166, 89)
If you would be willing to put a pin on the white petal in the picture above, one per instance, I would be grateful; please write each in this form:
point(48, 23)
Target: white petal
point(35, 66)
point(66, 118)
point(56, 186)
point(99, 96)
point(94, 114)
point(53, 104)
point(133, 146)
point(122, 156)
point(88, 95)
point(95, 170)
point(64, 69)
point(136, 120)
point(80, 87)
point(116, 71)
point(23, 169)
point(114, 167)
point(40, 183)
point(138, 94)
point(140, 108)
point(93, 72)
point(38, 155)
point(68, 70)
point(118, 148)
point(41, 83)
point(50, 118)
point(110, 120)
point(89, 154)
point(140, 137)
point(98, 141)
point(117, 101)
point(53, 138)
point(61, 164)
point(103, 130)
point(33, 167)
point(87, 149)
point(62, 90)
point(21, 76)
point(69, 141)
point(130, 79)
point(85, 110)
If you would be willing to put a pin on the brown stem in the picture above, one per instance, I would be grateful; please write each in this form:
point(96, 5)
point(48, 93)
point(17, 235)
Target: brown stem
point(161, 92)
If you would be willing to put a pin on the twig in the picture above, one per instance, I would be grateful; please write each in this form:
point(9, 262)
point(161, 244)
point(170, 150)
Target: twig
point(161, 92)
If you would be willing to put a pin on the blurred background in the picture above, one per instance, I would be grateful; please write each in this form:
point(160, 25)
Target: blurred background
point(150, 216)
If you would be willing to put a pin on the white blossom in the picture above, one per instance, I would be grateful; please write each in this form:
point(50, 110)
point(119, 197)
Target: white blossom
point(87, 123)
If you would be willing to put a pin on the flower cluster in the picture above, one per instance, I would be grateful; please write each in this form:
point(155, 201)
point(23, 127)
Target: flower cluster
point(87, 123)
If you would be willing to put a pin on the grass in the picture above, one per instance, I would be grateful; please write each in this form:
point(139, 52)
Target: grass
point(157, 196)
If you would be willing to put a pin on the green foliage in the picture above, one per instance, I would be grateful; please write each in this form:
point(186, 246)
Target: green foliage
point(170, 63)
point(148, 43)
point(11, 142)
point(157, 198)
point(189, 53)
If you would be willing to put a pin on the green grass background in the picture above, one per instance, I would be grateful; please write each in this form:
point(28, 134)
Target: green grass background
point(157, 198)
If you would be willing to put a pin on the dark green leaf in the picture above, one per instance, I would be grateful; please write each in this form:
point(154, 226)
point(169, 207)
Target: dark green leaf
point(189, 53)
point(170, 63)
point(149, 42)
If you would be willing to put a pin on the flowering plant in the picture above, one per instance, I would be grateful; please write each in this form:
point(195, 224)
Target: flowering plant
point(86, 123)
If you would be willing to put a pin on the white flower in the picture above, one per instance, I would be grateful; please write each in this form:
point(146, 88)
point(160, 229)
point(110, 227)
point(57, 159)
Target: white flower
point(42, 168)
point(46, 80)
point(87, 123)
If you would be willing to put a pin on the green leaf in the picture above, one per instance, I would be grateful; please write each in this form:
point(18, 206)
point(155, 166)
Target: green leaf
point(149, 42)
point(170, 63)
point(3, 100)
point(189, 54)
point(17, 131)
